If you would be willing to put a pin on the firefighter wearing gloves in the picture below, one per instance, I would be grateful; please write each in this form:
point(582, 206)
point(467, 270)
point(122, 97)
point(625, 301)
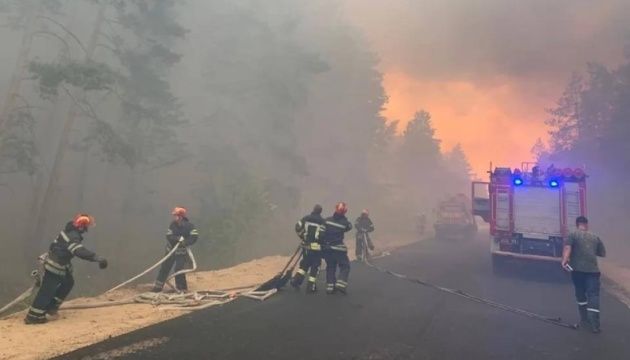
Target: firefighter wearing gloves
point(310, 228)
point(581, 249)
point(364, 225)
point(335, 251)
point(58, 280)
point(182, 232)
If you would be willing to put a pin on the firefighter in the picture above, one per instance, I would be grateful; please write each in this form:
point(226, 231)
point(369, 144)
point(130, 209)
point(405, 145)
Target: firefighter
point(180, 231)
point(309, 229)
point(364, 225)
point(335, 251)
point(581, 249)
point(58, 280)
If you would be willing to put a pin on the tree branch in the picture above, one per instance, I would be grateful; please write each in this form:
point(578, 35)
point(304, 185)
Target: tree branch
point(42, 32)
point(67, 31)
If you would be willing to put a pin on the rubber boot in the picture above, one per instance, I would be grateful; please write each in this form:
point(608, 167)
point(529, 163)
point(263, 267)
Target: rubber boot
point(297, 280)
point(593, 319)
point(583, 314)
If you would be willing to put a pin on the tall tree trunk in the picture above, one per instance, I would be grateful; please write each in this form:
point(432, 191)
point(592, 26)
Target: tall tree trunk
point(83, 176)
point(30, 243)
point(51, 188)
point(20, 66)
point(126, 215)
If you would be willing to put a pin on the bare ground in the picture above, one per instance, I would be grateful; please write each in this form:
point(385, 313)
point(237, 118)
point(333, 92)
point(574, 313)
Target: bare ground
point(78, 328)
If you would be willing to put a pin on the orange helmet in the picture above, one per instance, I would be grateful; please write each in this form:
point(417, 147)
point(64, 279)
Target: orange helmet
point(364, 212)
point(341, 208)
point(179, 210)
point(83, 220)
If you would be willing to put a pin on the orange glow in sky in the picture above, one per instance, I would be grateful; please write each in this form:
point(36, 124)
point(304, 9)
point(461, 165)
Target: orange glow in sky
point(494, 123)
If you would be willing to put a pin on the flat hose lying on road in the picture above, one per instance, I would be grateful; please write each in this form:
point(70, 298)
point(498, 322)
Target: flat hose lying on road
point(555, 321)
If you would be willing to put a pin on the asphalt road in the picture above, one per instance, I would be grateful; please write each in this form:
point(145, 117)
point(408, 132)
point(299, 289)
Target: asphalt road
point(386, 318)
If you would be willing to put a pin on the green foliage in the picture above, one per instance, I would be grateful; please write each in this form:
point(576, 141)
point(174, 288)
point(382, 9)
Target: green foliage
point(90, 76)
point(419, 142)
point(235, 209)
point(18, 153)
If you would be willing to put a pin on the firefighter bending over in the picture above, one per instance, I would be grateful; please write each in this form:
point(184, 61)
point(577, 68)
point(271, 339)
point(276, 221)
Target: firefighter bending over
point(310, 228)
point(58, 280)
point(180, 231)
point(364, 225)
point(335, 251)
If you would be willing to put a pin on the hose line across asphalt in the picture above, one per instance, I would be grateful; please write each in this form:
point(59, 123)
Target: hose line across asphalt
point(555, 321)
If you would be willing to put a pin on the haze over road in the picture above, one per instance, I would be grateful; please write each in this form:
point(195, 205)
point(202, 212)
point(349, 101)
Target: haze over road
point(387, 318)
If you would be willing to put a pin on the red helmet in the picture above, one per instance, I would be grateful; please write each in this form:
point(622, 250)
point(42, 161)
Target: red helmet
point(179, 210)
point(83, 220)
point(341, 208)
point(365, 212)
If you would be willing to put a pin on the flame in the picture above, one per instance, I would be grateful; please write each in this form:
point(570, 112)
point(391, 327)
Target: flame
point(498, 122)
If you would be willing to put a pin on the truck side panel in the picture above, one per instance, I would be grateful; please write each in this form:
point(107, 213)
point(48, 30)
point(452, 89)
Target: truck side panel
point(572, 205)
point(501, 208)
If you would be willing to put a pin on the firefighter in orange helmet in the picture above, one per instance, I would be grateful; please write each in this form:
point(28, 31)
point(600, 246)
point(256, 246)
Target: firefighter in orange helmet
point(180, 231)
point(335, 251)
point(58, 280)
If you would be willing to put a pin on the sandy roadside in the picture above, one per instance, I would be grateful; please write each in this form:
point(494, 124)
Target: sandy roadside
point(619, 280)
point(78, 328)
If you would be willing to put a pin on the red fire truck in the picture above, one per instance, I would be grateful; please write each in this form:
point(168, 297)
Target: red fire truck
point(529, 210)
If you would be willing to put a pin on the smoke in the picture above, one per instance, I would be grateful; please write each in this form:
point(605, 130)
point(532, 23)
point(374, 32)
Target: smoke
point(487, 69)
point(484, 41)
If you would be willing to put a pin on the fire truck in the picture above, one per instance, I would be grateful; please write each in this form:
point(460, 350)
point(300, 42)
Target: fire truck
point(454, 219)
point(530, 211)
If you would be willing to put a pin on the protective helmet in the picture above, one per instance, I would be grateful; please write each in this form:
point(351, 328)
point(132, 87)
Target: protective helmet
point(83, 220)
point(341, 208)
point(179, 210)
point(365, 212)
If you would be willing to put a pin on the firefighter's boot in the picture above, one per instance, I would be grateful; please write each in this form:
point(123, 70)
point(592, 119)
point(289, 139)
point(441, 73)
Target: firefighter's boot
point(30, 320)
point(593, 319)
point(341, 287)
point(330, 289)
point(298, 279)
point(583, 314)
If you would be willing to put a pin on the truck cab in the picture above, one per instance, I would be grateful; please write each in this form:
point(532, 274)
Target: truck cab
point(530, 211)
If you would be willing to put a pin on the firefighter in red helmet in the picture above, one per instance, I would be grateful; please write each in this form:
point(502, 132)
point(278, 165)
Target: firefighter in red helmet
point(180, 231)
point(335, 251)
point(58, 280)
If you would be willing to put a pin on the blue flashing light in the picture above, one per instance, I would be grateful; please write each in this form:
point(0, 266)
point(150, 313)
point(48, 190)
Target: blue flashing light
point(553, 183)
point(518, 181)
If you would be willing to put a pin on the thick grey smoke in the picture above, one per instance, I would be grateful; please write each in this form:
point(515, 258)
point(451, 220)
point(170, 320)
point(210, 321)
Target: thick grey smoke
point(486, 40)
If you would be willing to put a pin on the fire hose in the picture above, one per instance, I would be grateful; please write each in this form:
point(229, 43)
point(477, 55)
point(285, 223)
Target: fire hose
point(188, 301)
point(24, 295)
point(147, 270)
point(554, 321)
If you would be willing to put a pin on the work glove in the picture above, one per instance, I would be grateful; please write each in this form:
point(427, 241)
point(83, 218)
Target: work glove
point(102, 262)
point(315, 246)
point(371, 246)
